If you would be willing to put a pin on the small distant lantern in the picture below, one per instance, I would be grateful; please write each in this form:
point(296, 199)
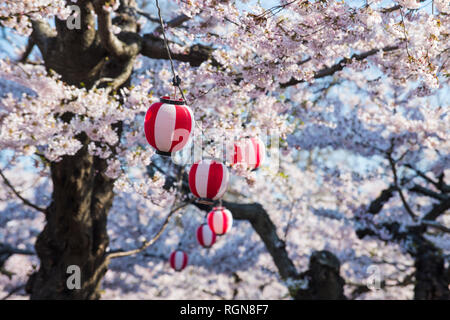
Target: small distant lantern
point(168, 125)
point(208, 179)
point(220, 220)
point(205, 236)
point(178, 260)
point(250, 152)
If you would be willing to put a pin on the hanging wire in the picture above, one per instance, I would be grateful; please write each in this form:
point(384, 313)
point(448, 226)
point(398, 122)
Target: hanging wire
point(176, 81)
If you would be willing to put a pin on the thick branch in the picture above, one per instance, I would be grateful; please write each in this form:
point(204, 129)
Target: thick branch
point(114, 83)
point(153, 47)
point(28, 49)
point(109, 40)
point(437, 210)
point(436, 225)
point(43, 36)
point(377, 204)
point(427, 192)
point(263, 225)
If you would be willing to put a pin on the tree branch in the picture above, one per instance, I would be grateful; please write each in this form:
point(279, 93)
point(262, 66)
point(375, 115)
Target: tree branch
point(440, 186)
point(436, 225)
point(390, 9)
point(8, 249)
point(115, 82)
point(397, 186)
point(377, 204)
point(25, 201)
point(175, 22)
point(340, 65)
point(43, 36)
point(263, 225)
point(147, 15)
point(153, 47)
point(28, 49)
point(109, 40)
point(427, 192)
point(437, 210)
point(14, 290)
point(147, 243)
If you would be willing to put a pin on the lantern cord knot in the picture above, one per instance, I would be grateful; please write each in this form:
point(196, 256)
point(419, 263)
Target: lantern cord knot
point(176, 81)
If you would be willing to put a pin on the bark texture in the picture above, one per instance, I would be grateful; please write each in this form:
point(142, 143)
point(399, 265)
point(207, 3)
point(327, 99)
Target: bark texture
point(323, 278)
point(75, 233)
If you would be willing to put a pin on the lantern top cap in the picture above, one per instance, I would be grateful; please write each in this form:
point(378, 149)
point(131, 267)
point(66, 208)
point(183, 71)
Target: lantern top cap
point(169, 100)
point(209, 160)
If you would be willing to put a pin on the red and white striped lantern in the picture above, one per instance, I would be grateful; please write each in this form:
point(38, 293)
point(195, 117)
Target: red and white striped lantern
point(205, 236)
point(220, 220)
point(250, 152)
point(168, 125)
point(208, 179)
point(178, 260)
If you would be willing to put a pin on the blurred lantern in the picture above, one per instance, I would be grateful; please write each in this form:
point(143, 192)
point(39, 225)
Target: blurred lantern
point(205, 236)
point(220, 220)
point(178, 260)
point(168, 125)
point(249, 152)
point(208, 179)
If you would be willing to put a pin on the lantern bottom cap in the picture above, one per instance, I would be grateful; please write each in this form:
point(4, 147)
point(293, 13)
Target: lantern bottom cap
point(164, 153)
point(205, 201)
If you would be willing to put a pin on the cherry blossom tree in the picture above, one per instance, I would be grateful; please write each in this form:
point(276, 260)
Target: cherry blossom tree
point(351, 99)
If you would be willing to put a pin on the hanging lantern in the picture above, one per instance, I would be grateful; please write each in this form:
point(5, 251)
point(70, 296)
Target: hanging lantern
point(250, 152)
point(168, 125)
point(178, 260)
point(208, 179)
point(220, 220)
point(205, 236)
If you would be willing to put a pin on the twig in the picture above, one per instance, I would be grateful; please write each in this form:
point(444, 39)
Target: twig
point(397, 187)
point(405, 33)
point(423, 175)
point(14, 290)
point(6, 248)
point(25, 201)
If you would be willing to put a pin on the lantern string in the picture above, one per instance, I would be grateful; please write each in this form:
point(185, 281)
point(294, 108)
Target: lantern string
point(176, 81)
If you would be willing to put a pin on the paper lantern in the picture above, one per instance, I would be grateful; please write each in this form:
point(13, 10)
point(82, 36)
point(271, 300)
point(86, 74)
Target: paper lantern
point(220, 220)
point(208, 179)
point(178, 260)
point(205, 236)
point(168, 125)
point(250, 152)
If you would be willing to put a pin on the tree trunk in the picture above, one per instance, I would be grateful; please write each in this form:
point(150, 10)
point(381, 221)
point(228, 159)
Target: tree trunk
point(323, 278)
point(432, 278)
point(75, 233)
